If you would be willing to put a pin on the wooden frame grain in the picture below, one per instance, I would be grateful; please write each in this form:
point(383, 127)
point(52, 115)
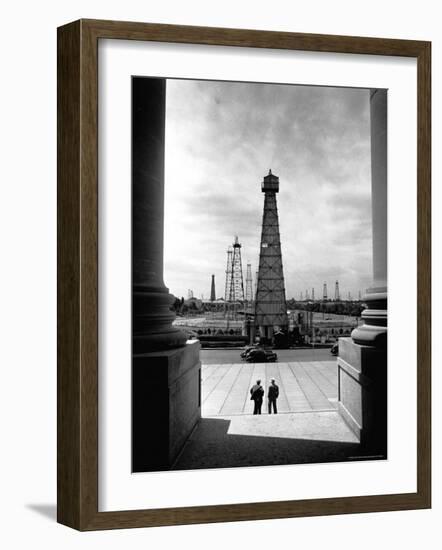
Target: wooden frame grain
point(77, 409)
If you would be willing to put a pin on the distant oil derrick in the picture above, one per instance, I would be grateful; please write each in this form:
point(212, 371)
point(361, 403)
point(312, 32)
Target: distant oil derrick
point(236, 293)
point(337, 295)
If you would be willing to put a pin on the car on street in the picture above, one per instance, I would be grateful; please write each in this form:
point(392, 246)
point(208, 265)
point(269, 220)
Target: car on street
point(259, 355)
point(246, 351)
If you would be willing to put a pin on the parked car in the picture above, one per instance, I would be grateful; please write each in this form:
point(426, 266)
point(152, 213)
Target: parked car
point(246, 351)
point(334, 350)
point(259, 355)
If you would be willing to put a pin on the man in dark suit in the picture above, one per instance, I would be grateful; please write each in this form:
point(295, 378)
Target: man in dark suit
point(257, 394)
point(272, 395)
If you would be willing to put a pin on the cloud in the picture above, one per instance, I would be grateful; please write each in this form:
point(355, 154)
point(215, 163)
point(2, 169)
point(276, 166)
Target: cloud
point(222, 138)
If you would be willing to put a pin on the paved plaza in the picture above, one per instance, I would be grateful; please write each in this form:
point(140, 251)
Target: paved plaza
point(307, 428)
point(303, 386)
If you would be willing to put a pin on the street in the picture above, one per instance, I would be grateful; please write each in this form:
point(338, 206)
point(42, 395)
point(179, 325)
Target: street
point(225, 356)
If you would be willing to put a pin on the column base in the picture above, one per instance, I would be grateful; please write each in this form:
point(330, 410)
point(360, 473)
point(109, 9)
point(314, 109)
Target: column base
point(166, 405)
point(152, 320)
point(373, 331)
point(362, 393)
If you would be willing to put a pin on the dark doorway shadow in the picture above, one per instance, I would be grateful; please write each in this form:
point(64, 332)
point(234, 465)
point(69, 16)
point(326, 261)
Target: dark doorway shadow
point(48, 511)
point(211, 446)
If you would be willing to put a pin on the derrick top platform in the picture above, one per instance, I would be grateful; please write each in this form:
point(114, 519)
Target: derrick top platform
point(270, 183)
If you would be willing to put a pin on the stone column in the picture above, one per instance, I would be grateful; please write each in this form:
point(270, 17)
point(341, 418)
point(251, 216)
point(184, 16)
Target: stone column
point(166, 392)
point(374, 330)
point(362, 358)
point(152, 316)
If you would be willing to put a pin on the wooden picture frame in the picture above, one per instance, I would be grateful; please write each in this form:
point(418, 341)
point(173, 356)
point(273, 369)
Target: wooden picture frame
point(78, 274)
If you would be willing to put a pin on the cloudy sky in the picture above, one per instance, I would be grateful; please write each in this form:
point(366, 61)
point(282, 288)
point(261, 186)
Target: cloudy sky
point(221, 140)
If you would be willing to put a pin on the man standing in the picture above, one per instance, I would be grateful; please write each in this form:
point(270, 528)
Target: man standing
point(257, 394)
point(272, 395)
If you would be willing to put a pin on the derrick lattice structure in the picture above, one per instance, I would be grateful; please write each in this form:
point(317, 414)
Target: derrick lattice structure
point(270, 303)
point(236, 293)
point(249, 284)
point(228, 274)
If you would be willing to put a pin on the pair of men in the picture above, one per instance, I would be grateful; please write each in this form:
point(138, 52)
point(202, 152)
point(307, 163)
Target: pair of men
point(257, 395)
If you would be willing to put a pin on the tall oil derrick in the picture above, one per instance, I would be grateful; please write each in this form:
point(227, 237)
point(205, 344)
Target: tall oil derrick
point(270, 303)
point(337, 296)
point(212, 290)
point(324, 292)
point(236, 293)
point(249, 284)
point(228, 274)
point(313, 294)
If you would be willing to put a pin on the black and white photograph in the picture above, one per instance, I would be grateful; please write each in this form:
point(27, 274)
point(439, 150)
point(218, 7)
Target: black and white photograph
point(259, 273)
point(220, 232)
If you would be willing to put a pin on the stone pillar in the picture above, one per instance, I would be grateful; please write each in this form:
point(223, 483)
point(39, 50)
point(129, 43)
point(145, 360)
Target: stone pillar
point(362, 358)
point(165, 370)
point(166, 405)
point(373, 331)
point(152, 316)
